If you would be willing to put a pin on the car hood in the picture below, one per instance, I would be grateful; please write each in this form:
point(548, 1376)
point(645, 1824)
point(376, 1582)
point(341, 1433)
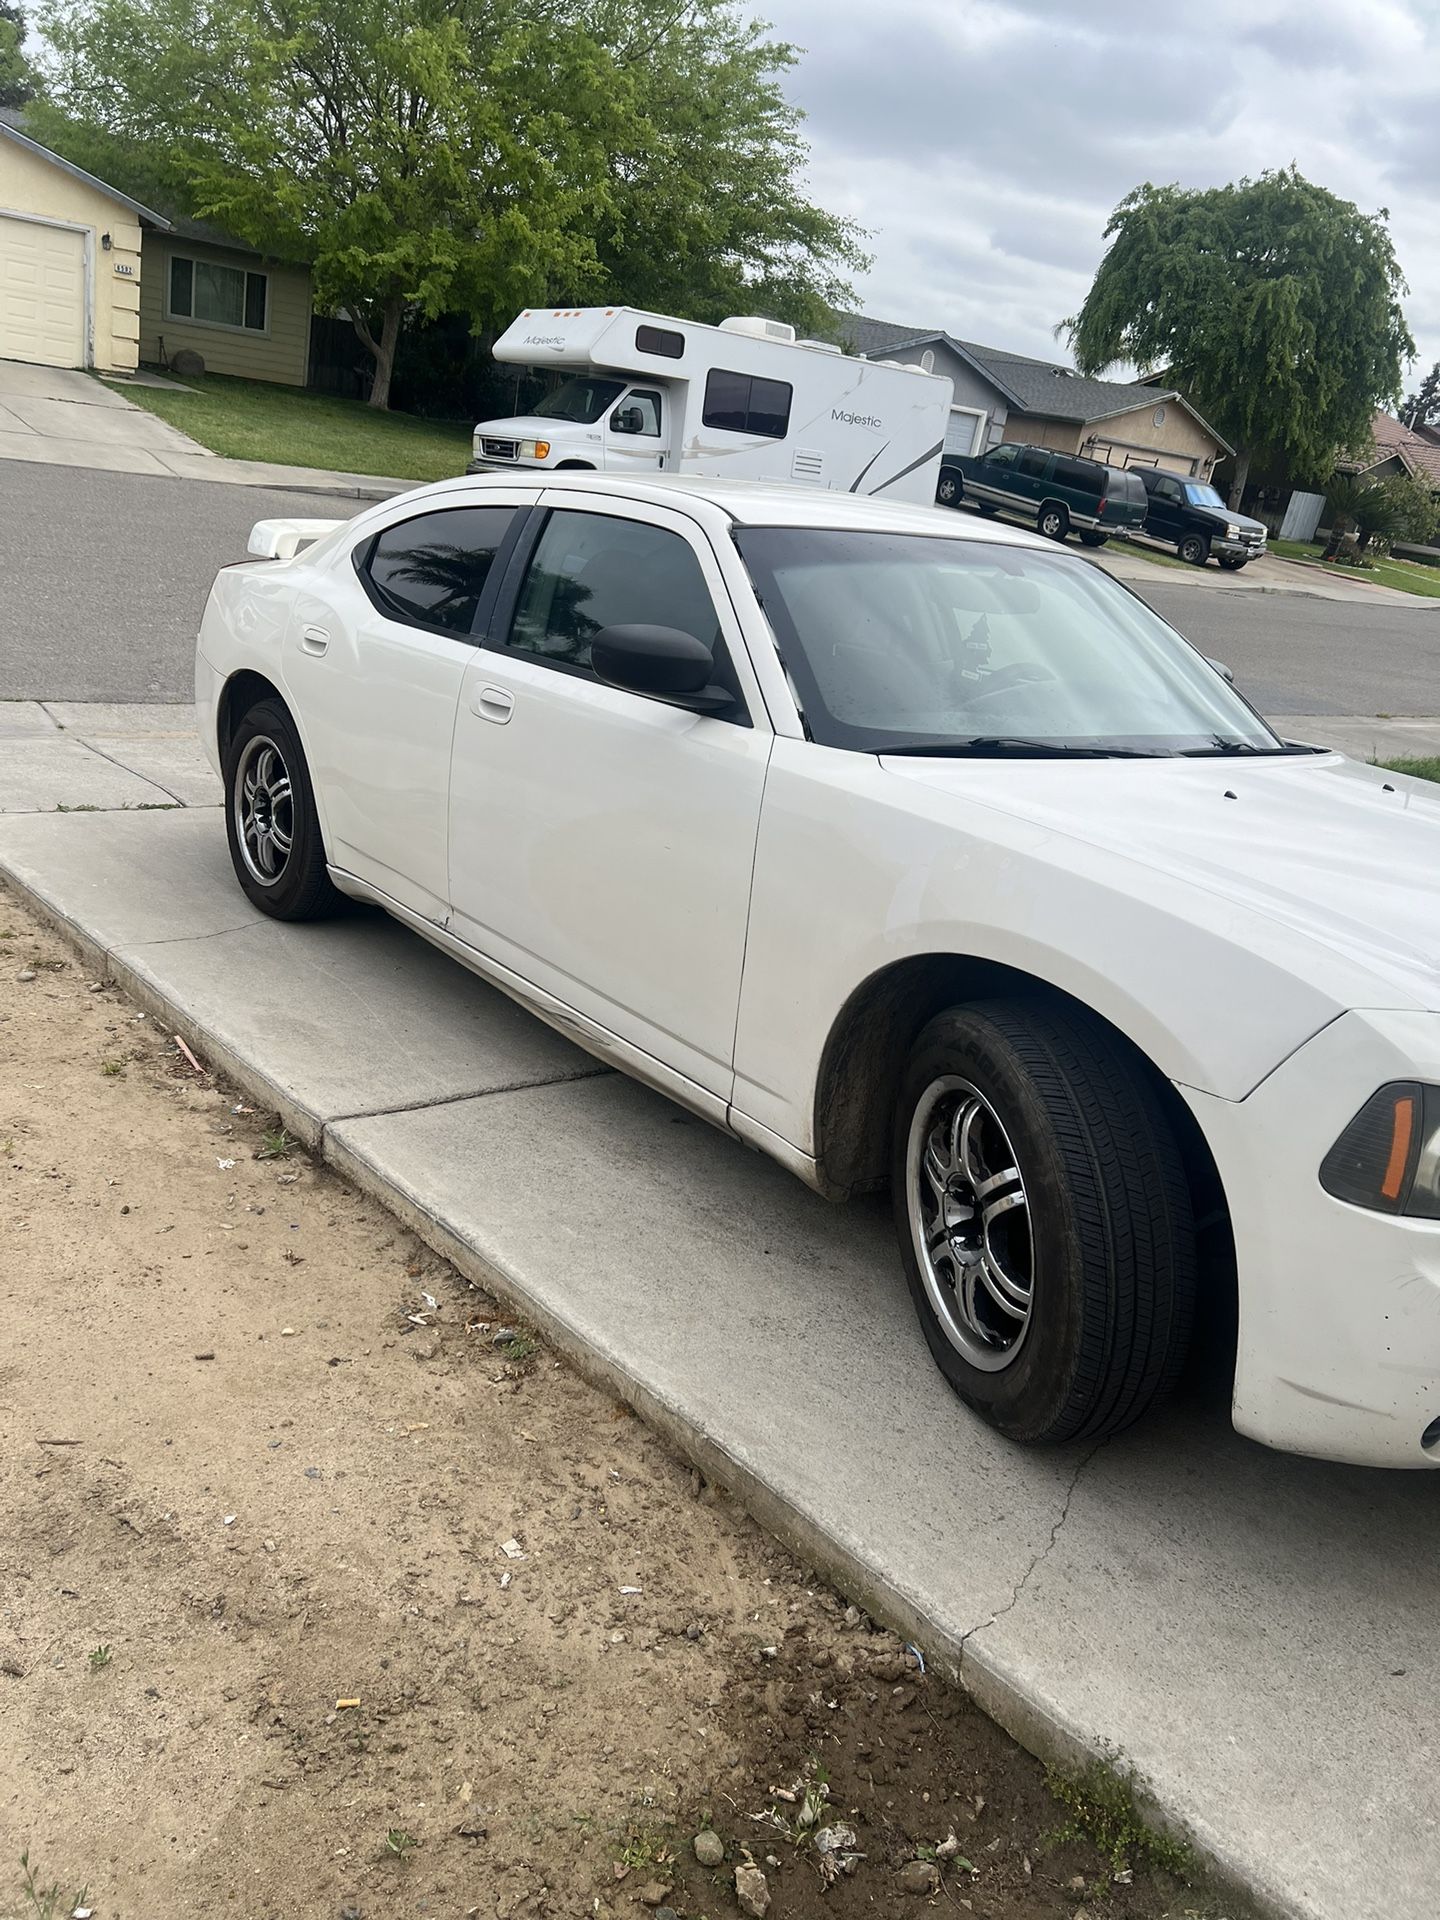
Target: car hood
point(526, 426)
point(1223, 517)
point(1345, 855)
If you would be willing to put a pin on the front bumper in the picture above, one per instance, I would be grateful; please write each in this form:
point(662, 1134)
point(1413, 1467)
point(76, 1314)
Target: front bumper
point(1339, 1346)
point(1235, 549)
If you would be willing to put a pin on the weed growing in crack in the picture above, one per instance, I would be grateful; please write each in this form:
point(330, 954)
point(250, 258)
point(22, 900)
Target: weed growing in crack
point(1101, 1803)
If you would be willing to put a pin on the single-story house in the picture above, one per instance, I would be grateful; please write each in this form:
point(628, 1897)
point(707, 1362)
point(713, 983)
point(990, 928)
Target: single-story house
point(1397, 448)
point(1010, 396)
point(90, 277)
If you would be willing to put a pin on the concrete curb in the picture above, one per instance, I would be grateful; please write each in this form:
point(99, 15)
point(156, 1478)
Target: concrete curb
point(1037, 1723)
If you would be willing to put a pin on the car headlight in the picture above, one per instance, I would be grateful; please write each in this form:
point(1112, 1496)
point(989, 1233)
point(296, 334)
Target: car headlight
point(534, 449)
point(1232, 533)
point(1388, 1158)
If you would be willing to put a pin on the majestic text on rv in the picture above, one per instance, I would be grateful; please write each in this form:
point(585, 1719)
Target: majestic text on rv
point(745, 399)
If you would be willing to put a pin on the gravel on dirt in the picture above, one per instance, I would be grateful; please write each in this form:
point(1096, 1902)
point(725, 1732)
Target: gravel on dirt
point(316, 1601)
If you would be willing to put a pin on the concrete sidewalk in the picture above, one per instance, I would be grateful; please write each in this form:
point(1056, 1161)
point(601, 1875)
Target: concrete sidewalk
point(1254, 1633)
point(58, 417)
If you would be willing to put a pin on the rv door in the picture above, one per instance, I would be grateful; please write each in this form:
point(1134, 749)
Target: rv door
point(638, 430)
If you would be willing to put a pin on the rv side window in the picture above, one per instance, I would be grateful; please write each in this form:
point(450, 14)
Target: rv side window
point(744, 403)
point(660, 340)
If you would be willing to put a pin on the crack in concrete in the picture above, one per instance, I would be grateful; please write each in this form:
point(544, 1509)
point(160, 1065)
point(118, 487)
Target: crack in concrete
point(475, 1093)
point(1038, 1559)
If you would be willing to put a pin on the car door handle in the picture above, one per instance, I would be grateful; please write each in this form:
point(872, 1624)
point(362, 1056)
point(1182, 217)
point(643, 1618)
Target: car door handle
point(314, 639)
point(493, 703)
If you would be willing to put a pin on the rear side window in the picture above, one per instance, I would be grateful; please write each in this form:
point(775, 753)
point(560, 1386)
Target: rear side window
point(1080, 476)
point(431, 571)
point(1033, 461)
point(744, 403)
point(663, 341)
point(1125, 486)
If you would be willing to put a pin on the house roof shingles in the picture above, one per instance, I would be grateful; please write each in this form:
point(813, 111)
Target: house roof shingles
point(1042, 388)
point(1417, 452)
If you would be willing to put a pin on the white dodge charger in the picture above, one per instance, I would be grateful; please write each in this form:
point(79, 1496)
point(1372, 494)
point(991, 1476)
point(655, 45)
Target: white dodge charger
point(911, 851)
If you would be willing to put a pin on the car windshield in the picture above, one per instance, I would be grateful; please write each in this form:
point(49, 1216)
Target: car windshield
point(581, 401)
point(899, 642)
point(1200, 495)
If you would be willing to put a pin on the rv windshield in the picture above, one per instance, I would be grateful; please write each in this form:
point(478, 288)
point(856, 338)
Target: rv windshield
point(582, 401)
point(912, 643)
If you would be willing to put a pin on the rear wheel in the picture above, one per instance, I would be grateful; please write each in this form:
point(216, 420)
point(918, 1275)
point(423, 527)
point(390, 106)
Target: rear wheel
point(1090, 538)
point(271, 823)
point(1044, 1220)
point(1194, 548)
point(1053, 521)
point(949, 489)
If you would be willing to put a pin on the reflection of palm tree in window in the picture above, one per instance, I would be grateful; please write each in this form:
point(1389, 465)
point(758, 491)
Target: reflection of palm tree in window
point(455, 575)
point(561, 630)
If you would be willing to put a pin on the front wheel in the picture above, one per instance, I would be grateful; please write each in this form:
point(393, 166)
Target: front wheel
point(949, 489)
point(1234, 563)
point(1194, 549)
point(1044, 1220)
point(271, 823)
point(1092, 539)
point(1053, 521)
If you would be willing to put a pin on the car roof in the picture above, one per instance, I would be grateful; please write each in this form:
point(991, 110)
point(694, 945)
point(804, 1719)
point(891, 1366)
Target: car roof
point(769, 503)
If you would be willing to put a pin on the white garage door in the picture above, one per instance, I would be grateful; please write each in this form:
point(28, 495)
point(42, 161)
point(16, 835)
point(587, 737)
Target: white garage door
point(42, 293)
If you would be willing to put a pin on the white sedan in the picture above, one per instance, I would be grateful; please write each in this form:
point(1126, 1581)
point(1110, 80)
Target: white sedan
point(911, 851)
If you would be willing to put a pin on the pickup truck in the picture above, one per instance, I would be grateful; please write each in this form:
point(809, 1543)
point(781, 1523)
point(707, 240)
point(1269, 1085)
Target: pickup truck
point(1190, 515)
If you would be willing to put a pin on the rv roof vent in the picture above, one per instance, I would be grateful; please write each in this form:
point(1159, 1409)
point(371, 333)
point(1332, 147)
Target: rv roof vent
point(758, 328)
point(820, 346)
point(889, 363)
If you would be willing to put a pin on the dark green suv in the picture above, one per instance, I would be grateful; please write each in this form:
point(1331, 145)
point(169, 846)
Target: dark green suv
point(1058, 492)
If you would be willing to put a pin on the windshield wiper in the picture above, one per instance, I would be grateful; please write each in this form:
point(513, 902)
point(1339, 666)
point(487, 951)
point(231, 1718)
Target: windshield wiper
point(1222, 744)
point(998, 746)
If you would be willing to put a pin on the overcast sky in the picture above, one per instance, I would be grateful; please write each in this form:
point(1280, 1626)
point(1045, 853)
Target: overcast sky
point(985, 142)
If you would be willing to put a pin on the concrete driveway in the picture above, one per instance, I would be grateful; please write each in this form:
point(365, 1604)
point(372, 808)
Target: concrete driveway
point(70, 419)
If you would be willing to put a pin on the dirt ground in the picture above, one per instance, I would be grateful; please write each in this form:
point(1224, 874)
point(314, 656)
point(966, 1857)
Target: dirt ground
point(322, 1595)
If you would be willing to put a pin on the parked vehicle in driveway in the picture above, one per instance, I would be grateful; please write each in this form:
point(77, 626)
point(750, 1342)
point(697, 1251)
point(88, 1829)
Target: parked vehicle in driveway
point(1058, 492)
point(746, 399)
point(907, 849)
point(1195, 519)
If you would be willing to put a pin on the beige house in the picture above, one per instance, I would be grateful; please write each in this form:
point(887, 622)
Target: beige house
point(1010, 396)
point(91, 278)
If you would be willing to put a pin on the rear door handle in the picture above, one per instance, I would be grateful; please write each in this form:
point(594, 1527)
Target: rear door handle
point(493, 703)
point(314, 639)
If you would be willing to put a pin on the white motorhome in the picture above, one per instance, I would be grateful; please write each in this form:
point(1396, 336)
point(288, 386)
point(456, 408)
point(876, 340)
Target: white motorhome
point(744, 399)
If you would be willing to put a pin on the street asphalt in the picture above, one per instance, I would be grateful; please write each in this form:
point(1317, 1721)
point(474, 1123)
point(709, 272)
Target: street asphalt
point(103, 577)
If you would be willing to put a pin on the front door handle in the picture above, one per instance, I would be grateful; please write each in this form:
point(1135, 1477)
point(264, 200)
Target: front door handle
point(493, 703)
point(314, 639)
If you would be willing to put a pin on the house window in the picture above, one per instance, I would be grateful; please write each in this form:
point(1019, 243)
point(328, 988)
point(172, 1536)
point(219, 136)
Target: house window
point(218, 296)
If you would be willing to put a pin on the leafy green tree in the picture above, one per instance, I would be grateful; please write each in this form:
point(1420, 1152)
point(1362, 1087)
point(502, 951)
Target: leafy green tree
point(474, 156)
point(17, 76)
point(1418, 409)
point(708, 213)
point(1273, 305)
point(1416, 508)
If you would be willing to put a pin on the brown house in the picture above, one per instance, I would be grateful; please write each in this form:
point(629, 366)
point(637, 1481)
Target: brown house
point(1010, 396)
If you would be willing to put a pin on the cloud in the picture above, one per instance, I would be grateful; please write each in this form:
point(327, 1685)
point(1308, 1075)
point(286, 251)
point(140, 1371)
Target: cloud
point(984, 143)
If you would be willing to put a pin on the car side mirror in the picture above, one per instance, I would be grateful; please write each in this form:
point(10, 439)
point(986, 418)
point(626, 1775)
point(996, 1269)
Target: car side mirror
point(627, 420)
point(1225, 673)
point(662, 662)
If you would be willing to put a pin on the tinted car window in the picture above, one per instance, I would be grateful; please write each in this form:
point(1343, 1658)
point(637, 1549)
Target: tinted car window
point(1033, 461)
point(430, 571)
point(590, 572)
point(744, 403)
point(1081, 476)
point(1005, 456)
point(1123, 485)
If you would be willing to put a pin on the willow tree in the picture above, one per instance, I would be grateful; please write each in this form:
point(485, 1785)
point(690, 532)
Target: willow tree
point(1272, 304)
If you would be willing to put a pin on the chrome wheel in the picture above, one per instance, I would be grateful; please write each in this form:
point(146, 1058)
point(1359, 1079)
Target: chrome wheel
point(970, 1223)
point(264, 803)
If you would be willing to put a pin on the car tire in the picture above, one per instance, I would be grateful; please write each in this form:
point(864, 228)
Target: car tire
point(1061, 1308)
point(276, 846)
point(1194, 549)
point(1234, 564)
point(1053, 521)
point(1092, 539)
point(949, 488)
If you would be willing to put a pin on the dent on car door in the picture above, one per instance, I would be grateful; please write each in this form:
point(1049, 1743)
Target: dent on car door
point(602, 841)
point(375, 655)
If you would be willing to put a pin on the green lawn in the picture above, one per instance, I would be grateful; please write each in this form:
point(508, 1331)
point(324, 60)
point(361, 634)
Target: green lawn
point(1155, 558)
point(1410, 576)
point(251, 420)
point(1420, 769)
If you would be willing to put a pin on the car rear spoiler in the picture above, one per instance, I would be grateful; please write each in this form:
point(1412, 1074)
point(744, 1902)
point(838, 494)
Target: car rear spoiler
point(283, 539)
